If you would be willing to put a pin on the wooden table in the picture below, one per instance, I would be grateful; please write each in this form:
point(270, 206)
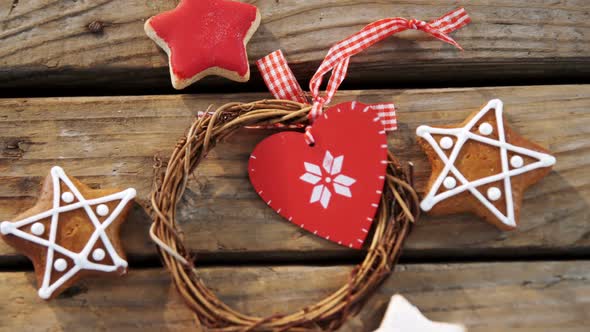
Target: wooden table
point(101, 106)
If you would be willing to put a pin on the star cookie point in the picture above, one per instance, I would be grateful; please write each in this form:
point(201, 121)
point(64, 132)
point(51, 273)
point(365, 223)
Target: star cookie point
point(44, 293)
point(402, 316)
point(71, 232)
point(481, 166)
point(422, 130)
point(5, 227)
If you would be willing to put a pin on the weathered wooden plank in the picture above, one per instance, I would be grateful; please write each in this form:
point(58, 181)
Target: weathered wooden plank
point(541, 296)
point(145, 300)
point(48, 43)
point(111, 142)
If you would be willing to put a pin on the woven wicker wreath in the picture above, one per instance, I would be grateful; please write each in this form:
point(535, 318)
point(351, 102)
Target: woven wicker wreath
point(397, 210)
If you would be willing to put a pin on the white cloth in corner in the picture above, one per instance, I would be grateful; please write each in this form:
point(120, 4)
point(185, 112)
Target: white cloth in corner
point(402, 316)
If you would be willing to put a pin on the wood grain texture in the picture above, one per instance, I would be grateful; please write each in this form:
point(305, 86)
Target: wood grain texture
point(47, 43)
point(111, 142)
point(490, 297)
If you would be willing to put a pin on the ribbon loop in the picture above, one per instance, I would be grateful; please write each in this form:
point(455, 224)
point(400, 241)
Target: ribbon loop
point(279, 78)
point(283, 85)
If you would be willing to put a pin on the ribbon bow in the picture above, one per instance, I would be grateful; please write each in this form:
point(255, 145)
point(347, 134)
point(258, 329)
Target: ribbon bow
point(282, 83)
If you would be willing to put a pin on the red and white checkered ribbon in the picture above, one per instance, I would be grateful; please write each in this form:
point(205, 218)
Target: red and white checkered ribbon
point(283, 85)
point(279, 78)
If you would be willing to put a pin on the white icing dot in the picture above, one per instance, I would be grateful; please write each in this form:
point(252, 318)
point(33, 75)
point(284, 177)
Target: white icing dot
point(102, 210)
point(5, 227)
point(328, 180)
point(485, 128)
point(67, 197)
point(38, 228)
point(60, 264)
point(422, 131)
point(516, 161)
point(446, 142)
point(450, 182)
point(44, 293)
point(494, 193)
point(121, 263)
point(98, 254)
point(548, 161)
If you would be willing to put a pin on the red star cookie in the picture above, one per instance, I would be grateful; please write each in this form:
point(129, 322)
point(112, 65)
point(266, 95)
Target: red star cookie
point(72, 232)
point(481, 166)
point(205, 37)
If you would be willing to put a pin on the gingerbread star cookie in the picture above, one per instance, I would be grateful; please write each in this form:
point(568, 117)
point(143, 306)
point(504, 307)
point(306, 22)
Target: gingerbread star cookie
point(71, 232)
point(481, 166)
point(205, 37)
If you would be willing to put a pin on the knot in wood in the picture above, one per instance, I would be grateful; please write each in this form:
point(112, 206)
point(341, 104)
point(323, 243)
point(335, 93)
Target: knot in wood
point(96, 26)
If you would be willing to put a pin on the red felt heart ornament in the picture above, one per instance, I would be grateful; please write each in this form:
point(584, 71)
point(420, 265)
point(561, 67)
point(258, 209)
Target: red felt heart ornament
point(332, 188)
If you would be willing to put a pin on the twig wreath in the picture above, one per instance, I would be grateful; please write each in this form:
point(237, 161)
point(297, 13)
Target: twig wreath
point(398, 209)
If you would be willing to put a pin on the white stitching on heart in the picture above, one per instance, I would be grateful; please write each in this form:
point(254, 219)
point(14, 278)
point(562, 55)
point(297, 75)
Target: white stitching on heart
point(377, 190)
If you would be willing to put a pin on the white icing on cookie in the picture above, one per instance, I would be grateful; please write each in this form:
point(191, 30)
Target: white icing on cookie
point(486, 129)
point(102, 210)
point(5, 228)
point(516, 161)
point(67, 197)
point(494, 193)
point(450, 182)
point(80, 260)
point(98, 254)
point(60, 264)
point(38, 228)
point(462, 135)
point(446, 142)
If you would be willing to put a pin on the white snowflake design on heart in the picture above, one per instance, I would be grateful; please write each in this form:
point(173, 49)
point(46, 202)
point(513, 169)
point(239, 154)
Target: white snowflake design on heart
point(339, 182)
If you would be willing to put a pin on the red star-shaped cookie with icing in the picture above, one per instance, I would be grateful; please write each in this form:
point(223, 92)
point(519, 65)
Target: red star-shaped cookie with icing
point(72, 232)
point(481, 166)
point(205, 37)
